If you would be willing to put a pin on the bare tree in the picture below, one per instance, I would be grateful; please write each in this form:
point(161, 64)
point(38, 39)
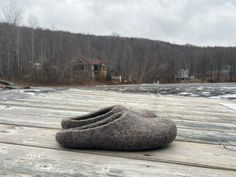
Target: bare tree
point(12, 12)
point(52, 55)
point(33, 23)
point(1, 15)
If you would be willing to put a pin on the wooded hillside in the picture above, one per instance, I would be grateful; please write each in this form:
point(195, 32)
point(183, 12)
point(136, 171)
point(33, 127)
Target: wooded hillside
point(37, 55)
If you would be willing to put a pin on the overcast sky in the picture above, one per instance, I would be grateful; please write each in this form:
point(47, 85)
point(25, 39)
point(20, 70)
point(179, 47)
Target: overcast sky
point(199, 22)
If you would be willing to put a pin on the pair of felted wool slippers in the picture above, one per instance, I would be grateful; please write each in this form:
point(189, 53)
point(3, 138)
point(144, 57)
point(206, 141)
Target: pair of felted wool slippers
point(117, 128)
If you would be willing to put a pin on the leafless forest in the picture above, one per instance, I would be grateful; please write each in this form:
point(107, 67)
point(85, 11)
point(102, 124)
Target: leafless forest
point(35, 55)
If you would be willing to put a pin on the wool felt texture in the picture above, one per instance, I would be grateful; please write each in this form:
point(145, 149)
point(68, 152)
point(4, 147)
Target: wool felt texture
point(101, 114)
point(127, 131)
point(101, 122)
point(91, 117)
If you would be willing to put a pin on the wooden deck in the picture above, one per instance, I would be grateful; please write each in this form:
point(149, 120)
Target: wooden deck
point(205, 145)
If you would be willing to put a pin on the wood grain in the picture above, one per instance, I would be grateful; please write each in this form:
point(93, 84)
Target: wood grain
point(49, 162)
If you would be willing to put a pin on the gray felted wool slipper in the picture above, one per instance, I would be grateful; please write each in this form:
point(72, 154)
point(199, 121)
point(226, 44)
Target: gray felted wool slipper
point(127, 131)
point(100, 115)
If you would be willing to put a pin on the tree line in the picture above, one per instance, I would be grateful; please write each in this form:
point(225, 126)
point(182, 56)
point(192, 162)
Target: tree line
point(36, 55)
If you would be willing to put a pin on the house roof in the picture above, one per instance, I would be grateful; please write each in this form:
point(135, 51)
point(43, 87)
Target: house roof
point(95, 61)
point(89, 61)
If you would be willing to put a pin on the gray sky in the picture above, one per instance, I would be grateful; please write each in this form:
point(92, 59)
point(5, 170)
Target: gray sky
point(199, 22)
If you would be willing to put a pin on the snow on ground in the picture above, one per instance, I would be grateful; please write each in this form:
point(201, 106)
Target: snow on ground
point(208, 90)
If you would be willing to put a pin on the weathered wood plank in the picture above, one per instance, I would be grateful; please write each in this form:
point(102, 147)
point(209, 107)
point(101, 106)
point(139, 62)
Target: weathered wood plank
point(211, 137)
point(159, 100)
point(212, 156)
point(225, 126)
point(7, 173)
point(107, 95)
point(39, 161)
point(89, 107)
point(24, 110)
point(51, 119)
point(101, 95)
point(21, 110)
point(136, 98)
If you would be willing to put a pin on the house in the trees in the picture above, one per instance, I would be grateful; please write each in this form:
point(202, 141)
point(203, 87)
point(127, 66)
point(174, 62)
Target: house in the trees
point(98, 69)
point(89, 69)
point(182, 74)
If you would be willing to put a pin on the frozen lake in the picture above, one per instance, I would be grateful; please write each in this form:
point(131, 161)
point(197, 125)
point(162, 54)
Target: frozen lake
point(209, 90)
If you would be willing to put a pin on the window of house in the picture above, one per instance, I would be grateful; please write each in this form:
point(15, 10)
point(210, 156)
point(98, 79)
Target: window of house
point(96, 67)
point(81, 67)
